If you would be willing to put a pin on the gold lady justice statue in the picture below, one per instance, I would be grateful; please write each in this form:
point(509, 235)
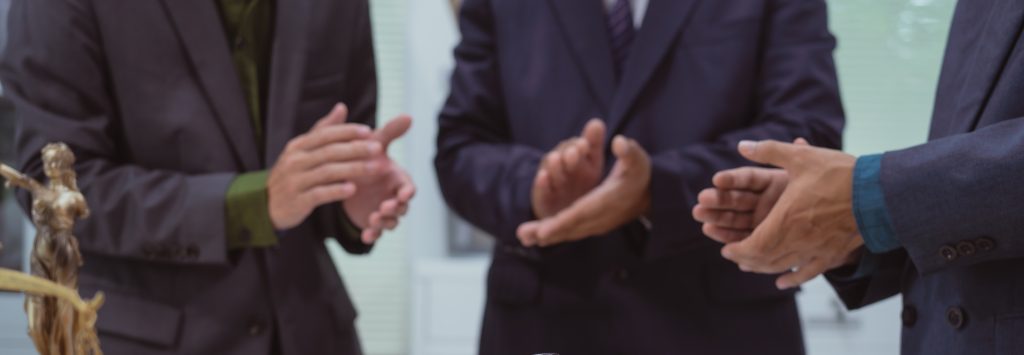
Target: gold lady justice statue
point(60, 322)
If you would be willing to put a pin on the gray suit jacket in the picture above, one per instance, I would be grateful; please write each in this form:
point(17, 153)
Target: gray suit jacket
point(145, 93)
point(955, 202)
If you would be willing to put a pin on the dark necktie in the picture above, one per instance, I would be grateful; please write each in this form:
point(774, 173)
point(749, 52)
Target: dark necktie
point(621, 30)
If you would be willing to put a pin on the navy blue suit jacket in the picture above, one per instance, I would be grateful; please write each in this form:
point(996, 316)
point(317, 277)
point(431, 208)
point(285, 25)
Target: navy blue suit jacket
point(955, 202)
point(702, 75)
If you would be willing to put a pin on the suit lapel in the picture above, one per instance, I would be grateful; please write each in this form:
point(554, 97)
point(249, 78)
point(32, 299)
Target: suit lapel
point(584, 29)
point(998, 39)
point(661, 27)
point(288, 59)
point(202, 33)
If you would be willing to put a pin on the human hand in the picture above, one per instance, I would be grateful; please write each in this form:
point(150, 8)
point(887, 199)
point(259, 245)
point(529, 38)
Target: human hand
point(569, 171)
point(739, 200)
point(811, 229)
point(318, 167)
point(622, 197)
point(380, 201)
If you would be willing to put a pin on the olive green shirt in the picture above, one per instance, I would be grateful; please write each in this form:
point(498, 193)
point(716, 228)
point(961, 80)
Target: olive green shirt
point(248, 25)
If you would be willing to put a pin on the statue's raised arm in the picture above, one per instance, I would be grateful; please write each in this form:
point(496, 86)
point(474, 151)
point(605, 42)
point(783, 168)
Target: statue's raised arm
point(17, 179)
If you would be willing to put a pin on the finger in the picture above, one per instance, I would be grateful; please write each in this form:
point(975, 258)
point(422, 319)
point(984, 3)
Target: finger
point(403, 209)
point(770, 152)
point(571, 159)
point(337, 172)
point(543, 181)
point(733, 200)
point(594, 134)
point(527, 233)
point(394, 129)
point(330, 134)
point(785, 263)
point(322, 195)
point(583, 147)
point(375, 220)
point(746, 178)
point(338, 115)
point(724, 219)
point(338, 152)
point(803, 273)
point(408, 189)
point(556, 171)
point(724, 235)
point(370, 236)
point(389, 223)
point(755, 250)
point(389, 207)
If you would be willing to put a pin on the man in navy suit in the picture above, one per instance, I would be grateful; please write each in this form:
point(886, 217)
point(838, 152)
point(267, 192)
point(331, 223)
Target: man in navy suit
point(939, 223)
point(594, 253)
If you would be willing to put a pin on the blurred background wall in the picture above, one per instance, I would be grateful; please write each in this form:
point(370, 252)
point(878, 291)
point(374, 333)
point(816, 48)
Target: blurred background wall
point(421, 291)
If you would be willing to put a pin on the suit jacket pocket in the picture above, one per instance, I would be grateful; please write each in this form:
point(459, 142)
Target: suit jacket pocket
point(1010, 334)
point(512, 279)
point(138, 319)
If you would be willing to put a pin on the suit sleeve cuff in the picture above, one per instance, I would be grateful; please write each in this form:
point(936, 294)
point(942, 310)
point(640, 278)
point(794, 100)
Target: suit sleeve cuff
point(873, 219)
point(866, 265)
point(348, 228)
point(248, 219)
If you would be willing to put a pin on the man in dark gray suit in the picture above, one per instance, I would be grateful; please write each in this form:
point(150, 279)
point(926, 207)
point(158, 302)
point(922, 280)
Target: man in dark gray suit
point(939, 223)
point(210, 167)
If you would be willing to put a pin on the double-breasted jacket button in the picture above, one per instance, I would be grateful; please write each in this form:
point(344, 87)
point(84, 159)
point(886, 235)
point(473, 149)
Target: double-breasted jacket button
point(966, 248)
point(985, 244)
point(949, 253)
point(956, 317)
point(909, 316)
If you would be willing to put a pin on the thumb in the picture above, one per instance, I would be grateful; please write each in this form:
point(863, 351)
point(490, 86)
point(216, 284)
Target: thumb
point(338, 115)
point(628, 152)
point(394, 129)
point(769, 152)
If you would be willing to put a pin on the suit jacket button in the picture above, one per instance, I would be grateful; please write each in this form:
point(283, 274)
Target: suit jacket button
point(966, 248)
point(956, 317)
point(622, 275)
point(909, 316)
point(949, 253)
point(985, 244)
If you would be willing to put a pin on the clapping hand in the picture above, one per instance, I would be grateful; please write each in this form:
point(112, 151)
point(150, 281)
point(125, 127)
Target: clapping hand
point(797, 221)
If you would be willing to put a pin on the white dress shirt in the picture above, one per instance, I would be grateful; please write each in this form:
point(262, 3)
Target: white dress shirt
point(639, 10)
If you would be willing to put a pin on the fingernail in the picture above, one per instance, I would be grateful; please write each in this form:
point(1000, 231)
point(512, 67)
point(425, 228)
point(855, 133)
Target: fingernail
point(747, 146)
point(783, 285)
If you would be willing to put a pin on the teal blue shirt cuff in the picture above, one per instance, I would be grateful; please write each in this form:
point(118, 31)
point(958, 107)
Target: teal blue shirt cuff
point(873, 219)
